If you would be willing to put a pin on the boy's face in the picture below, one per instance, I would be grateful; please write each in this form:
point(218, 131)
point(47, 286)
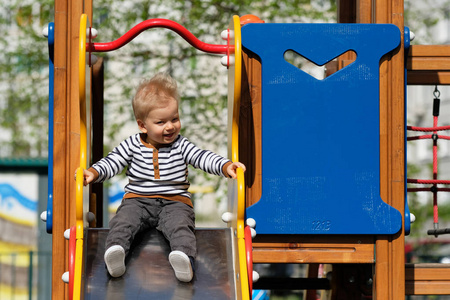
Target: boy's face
point(162, 125)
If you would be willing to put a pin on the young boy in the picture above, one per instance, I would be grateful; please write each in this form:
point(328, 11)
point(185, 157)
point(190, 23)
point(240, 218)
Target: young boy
point(157, 192)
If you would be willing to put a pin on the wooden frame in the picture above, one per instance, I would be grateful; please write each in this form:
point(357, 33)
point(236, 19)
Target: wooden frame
point(66, 133)
point(314, 249)
point(428, 64)
point(427, 279)
point(392, 279)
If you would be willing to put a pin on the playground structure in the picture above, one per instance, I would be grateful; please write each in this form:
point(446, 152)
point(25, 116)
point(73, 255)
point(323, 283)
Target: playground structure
point(366, 252)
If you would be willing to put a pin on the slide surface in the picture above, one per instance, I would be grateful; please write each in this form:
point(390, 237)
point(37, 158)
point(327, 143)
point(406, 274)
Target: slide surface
point(149, 274)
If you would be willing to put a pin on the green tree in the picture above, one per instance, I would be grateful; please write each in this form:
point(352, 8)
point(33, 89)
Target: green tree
point(422, 16)
point(24, 79)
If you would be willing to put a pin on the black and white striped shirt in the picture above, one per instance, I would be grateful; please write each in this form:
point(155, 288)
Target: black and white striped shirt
point(159, 172)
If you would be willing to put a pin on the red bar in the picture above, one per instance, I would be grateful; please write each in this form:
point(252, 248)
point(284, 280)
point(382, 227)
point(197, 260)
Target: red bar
point(164, 23)
point(428, 181)
point(437, 128)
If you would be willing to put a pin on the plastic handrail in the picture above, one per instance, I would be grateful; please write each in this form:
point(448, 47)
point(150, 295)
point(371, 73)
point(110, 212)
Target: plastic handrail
point(249, 257)
point(83, 162)
point(235, 157)
point(164, 23)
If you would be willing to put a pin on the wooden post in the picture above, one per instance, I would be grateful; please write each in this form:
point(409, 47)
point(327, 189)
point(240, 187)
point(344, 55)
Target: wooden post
point(66, 134)
point(389, 281)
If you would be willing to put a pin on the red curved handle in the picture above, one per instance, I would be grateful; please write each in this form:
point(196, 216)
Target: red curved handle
point(164, 23)
point(72, 249)
point(249, 251)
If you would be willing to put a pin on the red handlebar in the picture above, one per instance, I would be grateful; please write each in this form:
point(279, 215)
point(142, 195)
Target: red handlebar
point(164, 23)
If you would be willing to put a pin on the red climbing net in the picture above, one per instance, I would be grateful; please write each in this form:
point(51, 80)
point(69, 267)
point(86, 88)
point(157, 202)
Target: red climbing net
point(434, 189)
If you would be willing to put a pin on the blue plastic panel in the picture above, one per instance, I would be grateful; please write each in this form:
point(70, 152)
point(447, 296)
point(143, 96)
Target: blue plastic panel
point(407, 44)
point(51, 71)
point(321, 138)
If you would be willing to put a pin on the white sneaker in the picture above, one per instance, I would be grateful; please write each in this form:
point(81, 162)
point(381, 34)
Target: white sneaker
point(181, 264)
point(115, 260)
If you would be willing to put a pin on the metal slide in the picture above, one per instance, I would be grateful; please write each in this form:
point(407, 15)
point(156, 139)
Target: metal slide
point(149, 274)
point(221, 268)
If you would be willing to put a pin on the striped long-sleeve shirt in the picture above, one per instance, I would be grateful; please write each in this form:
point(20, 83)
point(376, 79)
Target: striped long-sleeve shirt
point(159, 172)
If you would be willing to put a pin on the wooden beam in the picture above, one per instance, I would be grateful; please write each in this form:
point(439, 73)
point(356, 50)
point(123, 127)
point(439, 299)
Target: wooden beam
point(425, 57)
point(428, 77)
point(364, 11)
point(313, 249)
point(435, 51)
point(389, 276)
point(428, 65)
point(427, 279)
point(59, 246)
point(66, 134)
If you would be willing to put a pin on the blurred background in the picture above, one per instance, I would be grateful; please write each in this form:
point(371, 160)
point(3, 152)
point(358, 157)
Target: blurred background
point(25, 246)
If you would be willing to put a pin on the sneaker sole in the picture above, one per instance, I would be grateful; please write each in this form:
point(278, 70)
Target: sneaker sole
point(115, 262)
point(181, 264)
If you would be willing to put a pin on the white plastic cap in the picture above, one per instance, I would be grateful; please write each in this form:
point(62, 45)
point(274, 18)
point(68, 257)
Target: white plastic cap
point(224, 34)
point(65, 277)
point(227, 60)
point(253, 232)
point(255, 276)
point(45, 31)
point(412, 36)
point(94, 33)
point(250, 222)
point(412, 218)
point(44, 216)
point(224, 61)
point(67, 234)
point(227, 217)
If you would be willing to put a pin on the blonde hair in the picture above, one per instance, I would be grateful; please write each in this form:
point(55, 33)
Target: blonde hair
point(153, 92)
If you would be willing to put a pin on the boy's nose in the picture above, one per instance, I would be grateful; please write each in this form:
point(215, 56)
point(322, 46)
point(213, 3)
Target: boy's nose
point(169, 126)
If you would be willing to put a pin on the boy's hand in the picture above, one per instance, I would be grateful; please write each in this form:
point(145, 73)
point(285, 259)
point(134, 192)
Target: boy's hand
point(231, 169)
point(88, 177)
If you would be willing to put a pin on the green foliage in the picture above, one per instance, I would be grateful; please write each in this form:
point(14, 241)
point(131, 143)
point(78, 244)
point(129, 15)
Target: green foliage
point(422, 16)
point(24, 79)
point(24, 60)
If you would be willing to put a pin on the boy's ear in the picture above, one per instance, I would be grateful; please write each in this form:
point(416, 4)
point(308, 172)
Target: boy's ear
point(141, 126)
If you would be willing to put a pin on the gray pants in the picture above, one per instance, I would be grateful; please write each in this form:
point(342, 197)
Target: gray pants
point(176, 221)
